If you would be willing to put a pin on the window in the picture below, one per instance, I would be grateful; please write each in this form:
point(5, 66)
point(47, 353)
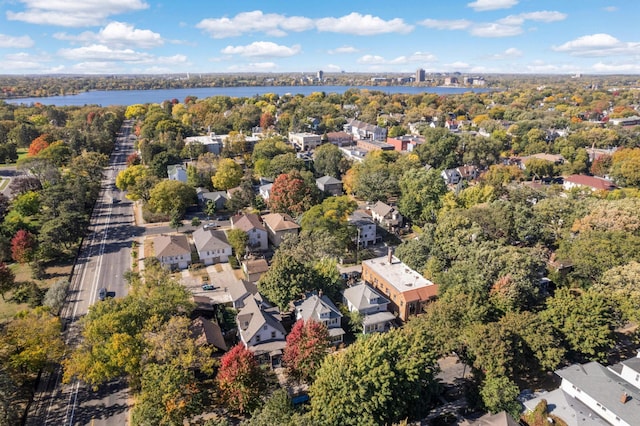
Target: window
point(257, 338)
point(273, 334)
point(265, 327)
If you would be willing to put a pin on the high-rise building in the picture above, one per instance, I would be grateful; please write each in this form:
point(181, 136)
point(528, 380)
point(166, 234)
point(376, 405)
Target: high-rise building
point(420, 76)
point(320, 75)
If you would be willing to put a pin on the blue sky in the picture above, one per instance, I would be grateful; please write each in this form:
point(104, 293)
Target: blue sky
point(209, 36)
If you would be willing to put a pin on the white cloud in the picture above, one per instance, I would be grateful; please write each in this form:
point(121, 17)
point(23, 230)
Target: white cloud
point(262, 49)
point(97, 67)
point(261, 66)
point(509, 53)
point(175, 59)
point(494, 29)
point(68, 13)
point(483, 5)
point(380, 60)
point(506, 27)
point(98, 52)
point(623, 68)
point(343, 49)
point(358, 24)
point(24, 62)
point(117, 34)
point(610, 9)
point(458, 65)
point(272, 24)
point(21, 42)
point(456, 24)
point(333, 68)
point(598, 45)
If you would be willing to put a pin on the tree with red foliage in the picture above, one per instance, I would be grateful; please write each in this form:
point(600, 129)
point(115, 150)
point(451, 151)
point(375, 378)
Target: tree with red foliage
point(240, 379)
point(291, 194)
point(133, 159)
point(267, 120)
point(601, 166)
point(307, 345)
point(23, 245)
point(38, 144)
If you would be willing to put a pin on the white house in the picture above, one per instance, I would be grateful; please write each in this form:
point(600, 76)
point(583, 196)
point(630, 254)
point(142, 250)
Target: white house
point(212, 246)
point(260, 330)
point(386, 215)
point(177, 172)
point(173, 251)
point(361, 130)
point(321, 309)
point(254, 228)
point(371, 305)
point(366, 227)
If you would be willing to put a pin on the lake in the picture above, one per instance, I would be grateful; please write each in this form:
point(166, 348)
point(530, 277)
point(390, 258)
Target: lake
point(129, 97)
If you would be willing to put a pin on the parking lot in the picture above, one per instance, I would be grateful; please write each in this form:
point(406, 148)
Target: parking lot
point(221, 276)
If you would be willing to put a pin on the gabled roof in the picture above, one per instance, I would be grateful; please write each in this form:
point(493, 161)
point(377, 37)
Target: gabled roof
point(209, 240)
point(382, 209)
point(328, 180)
point(247, 222)
point(171, 245)
point(314, 306)
point(205, 331)
point(591, 181)
point(256, 266)
point(500, 419)
point(173, 169)
point(606, 388)
point(360, 218)
point(279, 222)
point(255, 317)
point(214, 195)
point(364, 297)
point(239, 291)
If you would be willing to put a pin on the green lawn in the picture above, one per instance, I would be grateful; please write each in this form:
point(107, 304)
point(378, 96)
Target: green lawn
point(3, 183)
point(22, 153)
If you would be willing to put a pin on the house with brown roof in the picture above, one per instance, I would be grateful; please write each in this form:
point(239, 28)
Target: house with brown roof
point(260, 330)
point(588, 182)
point(252, 225)
point(207, 332)
point(173, 251)
point(408, 292)
point(254, 269)
point(340, 138)
point(278, 225)
point(212, 246)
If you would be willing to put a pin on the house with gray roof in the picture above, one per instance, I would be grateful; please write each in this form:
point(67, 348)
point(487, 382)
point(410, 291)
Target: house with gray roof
point(212, 246)
point(177, 172)
point(361, 130)
point(366, 226)
point(252, 225)
point(329, 185)
point(321, 309)
point(219, 198)
point(173, 251)
point(240, 290)
point(260, 330)
point(592, 394)
point(371, 305)
point(387, 216)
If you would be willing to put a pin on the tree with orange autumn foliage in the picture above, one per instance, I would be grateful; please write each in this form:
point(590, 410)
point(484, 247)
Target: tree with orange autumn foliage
point(240, 380)
point(38, 144)
point(291, 194)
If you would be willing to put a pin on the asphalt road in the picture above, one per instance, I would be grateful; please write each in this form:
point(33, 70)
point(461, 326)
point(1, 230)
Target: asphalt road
point(104, 257)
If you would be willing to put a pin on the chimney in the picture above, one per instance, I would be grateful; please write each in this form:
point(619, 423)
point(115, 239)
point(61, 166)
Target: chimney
point(624, 398)
point(390, 255)
point(320, 294)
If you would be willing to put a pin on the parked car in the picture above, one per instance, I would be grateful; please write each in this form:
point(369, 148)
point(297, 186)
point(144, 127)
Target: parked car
point(102, 294)
point(212, 225)
point(208, 287)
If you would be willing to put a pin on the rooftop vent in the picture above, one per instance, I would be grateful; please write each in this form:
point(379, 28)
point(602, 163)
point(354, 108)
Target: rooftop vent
point(624, 397)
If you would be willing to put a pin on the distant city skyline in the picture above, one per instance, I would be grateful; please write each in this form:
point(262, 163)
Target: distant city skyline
point(470, 37)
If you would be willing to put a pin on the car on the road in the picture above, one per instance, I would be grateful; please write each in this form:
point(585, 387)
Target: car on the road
point(102, 294)
point(211, 225)
point(208, 287)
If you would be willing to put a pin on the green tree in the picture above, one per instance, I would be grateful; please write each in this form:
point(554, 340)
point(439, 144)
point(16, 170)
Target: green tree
point(328, 161)
point(7, 280)
point(287, 279)
point(381, 379)
point(420, 194)
point(228, 175)
point(276, 411)
point(171, 197)
point(499, 393)
point(238, 240)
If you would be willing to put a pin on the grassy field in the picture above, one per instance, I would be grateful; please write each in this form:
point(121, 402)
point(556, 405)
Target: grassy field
point(22, 153)
point(8, 309)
